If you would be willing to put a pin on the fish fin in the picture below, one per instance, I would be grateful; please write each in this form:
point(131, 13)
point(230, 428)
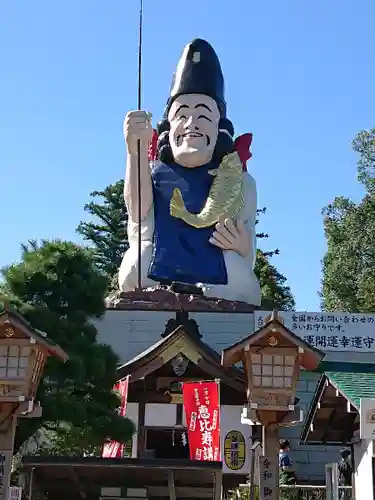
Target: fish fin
point(237, 206)
point(213, 172)
point(177, 206)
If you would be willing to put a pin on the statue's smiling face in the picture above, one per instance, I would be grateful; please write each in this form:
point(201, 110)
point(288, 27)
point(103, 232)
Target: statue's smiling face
point(194, 121)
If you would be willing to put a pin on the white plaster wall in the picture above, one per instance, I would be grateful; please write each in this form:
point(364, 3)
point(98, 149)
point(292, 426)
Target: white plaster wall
point(132, 412)
point(363, 453)
point(230, 420)
point(160, 415)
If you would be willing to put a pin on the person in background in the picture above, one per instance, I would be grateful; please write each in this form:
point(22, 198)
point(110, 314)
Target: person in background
point(345, 468)
point(287, 472)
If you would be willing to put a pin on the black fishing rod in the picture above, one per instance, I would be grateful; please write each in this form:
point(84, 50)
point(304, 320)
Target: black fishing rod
point(139, 143)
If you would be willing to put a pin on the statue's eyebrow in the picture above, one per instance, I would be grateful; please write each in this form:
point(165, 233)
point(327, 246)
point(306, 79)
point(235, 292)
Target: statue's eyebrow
point(201, 105)
point(183, 106)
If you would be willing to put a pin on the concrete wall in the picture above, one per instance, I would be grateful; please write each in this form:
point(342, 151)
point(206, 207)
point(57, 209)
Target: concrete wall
point(309, 460)
point(131, 332)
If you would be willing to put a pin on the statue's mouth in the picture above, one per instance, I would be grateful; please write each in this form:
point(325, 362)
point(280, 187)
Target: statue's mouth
point(192, 135)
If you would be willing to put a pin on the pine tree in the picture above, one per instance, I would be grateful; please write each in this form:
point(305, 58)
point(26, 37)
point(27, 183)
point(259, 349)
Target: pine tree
point(59, 290)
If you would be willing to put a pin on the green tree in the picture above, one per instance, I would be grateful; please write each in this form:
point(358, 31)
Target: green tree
point(108, 239)
point(364, 145)
point(349, 264)
point(107, 231)
point(57, 287)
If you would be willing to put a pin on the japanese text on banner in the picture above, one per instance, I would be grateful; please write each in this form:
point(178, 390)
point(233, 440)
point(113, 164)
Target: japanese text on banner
point(201, 402)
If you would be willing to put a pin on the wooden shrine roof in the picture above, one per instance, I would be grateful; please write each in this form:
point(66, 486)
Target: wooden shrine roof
point(334, 411)
point(191, 346)
point(10, 317)
point(82, 478)
point(310, 356)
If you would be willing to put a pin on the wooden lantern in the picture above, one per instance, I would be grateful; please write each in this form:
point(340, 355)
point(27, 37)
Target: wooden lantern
point(271, 359)
point(23, 353)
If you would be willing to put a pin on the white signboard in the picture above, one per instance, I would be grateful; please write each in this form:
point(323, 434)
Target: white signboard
point(329, 331)
point(367, 419)
point(234, 441)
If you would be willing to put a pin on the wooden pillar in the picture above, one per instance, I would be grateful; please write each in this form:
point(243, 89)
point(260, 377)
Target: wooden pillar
point(7, 433)
point(218, 485)
point(171, 485)
point(141, 437)
point(269, 464)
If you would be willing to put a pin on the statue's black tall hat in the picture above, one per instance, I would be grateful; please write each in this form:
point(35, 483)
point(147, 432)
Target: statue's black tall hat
point(198, 72)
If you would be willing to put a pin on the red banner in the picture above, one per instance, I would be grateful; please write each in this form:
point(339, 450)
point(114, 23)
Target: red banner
point(113, 449)
point(201, 402)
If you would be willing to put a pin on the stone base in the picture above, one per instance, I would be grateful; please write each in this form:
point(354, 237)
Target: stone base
point(164, 299)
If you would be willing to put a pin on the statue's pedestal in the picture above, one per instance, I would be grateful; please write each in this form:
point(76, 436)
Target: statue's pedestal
point(167, 300)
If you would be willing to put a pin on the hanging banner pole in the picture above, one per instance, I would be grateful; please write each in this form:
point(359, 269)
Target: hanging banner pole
point(139, 144)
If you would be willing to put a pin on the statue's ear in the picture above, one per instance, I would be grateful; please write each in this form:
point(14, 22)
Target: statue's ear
point(225, 124)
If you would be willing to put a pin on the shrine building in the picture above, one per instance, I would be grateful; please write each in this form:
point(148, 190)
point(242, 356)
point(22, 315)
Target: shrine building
point(159, 350)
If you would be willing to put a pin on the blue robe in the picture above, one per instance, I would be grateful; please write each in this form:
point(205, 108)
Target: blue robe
point(181, 252)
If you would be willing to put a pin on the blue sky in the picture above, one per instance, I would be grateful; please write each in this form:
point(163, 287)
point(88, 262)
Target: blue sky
point(299, 75)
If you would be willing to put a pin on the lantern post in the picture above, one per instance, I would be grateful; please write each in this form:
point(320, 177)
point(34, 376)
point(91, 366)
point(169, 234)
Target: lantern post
point(272, 358)
point(23, 353)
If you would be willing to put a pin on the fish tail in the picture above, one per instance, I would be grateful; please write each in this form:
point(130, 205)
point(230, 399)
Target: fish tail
point(177, 206)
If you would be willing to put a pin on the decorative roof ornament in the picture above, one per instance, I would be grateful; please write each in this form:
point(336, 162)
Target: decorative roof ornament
point(180, 364)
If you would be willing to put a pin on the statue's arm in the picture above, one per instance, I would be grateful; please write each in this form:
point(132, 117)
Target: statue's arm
point(131, 186)
point(137, 126)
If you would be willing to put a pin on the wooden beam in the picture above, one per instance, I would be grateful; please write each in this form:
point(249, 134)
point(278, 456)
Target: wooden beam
point(75, 480)
point(181, 491)
point(171, 485)
point(330, 424)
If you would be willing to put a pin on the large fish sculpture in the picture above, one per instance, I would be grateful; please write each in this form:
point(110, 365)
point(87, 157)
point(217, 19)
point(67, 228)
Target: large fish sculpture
point(225, 198)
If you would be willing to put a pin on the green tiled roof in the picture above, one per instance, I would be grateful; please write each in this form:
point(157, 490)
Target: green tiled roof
point(339, 366)
point(354, 385)
point(353, 380)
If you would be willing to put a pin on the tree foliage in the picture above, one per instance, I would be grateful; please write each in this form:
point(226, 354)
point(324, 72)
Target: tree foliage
point(59, 290)
point(364, 145)
point(108, 240)
point(107, 231)
point(349, 265)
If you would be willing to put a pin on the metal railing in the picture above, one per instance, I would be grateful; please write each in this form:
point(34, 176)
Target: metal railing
point(293, 492)
point(312, 492)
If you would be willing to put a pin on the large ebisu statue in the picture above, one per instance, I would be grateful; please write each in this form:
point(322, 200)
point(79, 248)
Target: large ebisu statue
point(198, 202)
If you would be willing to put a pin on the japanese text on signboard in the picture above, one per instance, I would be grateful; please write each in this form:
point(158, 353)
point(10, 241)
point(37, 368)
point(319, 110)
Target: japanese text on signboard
point(267, 479)
point(329, 331)
point(201, 402)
